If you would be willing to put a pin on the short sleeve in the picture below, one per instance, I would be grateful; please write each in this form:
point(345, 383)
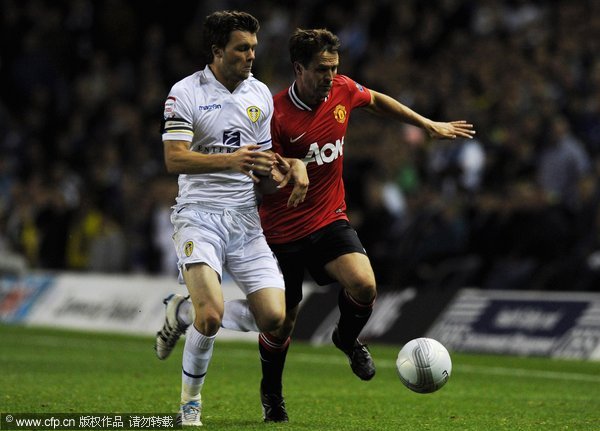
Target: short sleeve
point(177, 123)
point(360, 95)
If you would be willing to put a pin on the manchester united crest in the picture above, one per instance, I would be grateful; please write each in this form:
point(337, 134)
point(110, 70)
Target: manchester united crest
point(340, 113)
point(253, 113)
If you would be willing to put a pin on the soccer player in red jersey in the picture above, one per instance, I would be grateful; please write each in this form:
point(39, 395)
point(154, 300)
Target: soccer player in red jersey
point(309, 123)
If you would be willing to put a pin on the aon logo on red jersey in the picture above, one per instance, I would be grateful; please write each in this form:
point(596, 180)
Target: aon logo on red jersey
point(325, 154)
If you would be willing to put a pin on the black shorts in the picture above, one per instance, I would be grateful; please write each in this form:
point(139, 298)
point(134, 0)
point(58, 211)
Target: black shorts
point(312, 253)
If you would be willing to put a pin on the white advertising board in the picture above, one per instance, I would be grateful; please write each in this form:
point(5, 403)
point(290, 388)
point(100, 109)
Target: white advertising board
point(113, 303)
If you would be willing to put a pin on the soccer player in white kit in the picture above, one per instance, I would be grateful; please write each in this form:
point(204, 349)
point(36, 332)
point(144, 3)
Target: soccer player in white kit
point(216, 133)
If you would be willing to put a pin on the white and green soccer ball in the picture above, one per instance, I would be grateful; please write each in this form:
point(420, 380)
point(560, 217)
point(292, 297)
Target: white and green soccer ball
point(424, 365)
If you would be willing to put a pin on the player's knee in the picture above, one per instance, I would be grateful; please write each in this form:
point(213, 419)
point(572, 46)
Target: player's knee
point(287, 327)
point(363, 291)
point(208, 322)
point(271, 320)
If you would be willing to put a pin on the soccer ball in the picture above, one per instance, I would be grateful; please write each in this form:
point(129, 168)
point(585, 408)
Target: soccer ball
point(424, 365)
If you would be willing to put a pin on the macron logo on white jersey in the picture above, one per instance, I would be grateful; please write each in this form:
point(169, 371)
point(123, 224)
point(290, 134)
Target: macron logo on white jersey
point(326, 154)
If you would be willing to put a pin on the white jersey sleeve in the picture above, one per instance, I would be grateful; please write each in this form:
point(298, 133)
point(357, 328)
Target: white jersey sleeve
point(178, 114)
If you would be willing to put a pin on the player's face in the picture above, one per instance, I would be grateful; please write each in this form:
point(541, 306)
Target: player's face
point(314, 82)
point(234, 62)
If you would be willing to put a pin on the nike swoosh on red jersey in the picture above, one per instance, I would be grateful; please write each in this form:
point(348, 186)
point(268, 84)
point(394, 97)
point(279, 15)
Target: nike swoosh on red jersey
point(292, 140)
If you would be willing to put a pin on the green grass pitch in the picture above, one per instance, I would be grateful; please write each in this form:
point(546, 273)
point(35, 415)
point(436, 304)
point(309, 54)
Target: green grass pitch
point(52, 371)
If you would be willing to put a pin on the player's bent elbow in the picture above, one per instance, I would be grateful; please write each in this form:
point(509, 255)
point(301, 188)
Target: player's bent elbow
point(176, 156)
point(171, 167)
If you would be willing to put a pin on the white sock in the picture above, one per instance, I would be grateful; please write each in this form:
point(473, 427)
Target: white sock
point(197, 354)
point(185, 313)
point(238, 317)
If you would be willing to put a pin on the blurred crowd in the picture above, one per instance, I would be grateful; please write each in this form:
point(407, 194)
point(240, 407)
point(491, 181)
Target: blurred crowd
point(83, 185)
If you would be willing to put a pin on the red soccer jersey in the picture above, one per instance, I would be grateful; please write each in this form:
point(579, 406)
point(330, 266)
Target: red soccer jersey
point(316, 136)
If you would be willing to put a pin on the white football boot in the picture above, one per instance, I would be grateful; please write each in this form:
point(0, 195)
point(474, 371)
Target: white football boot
point(167, 337)
point(189, 414)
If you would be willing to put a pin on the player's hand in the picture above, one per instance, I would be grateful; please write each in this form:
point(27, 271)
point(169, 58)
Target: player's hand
point(451, 130)
point(249, 161)
point(293, 170)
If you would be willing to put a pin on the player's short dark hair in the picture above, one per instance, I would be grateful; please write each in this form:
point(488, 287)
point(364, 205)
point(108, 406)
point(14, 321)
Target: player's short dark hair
point(304, 44)
point(218, 27)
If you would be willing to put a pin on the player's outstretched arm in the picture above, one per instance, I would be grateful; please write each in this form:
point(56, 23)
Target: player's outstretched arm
point(387, 106)
point(451, 130)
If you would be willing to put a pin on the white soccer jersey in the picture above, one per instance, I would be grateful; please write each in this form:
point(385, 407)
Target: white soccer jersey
point(200, 110)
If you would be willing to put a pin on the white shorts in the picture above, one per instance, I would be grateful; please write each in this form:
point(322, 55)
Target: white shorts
point(226, 239)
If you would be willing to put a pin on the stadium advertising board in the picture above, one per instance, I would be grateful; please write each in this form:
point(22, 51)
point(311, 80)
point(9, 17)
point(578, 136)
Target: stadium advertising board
point(100, 302)
point(18, 294)
point(399, 315)
point(554, 324)
point(529, 323)
point(96, 302)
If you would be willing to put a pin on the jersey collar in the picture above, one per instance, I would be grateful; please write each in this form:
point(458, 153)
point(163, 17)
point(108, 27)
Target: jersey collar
point(207, 76)
point(296, 100)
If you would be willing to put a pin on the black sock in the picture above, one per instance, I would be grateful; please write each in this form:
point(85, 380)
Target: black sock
point(272, 359)
point(353, 318)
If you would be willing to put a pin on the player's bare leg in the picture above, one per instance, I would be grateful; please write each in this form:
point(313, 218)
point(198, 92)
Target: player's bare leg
point(204, 287)
point(262, 311)
point(268, 307)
